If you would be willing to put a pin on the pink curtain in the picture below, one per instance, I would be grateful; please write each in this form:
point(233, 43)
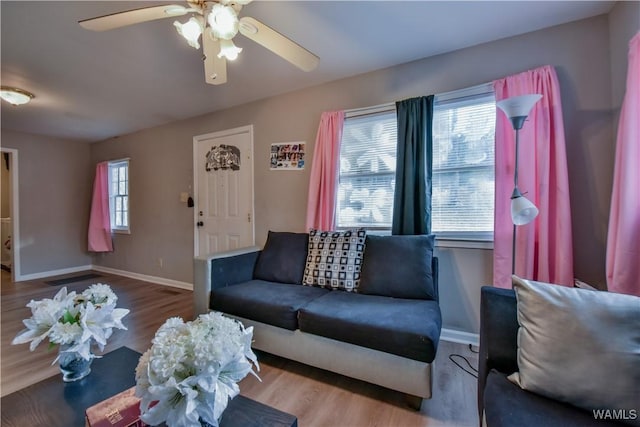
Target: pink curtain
point(99, 221)
point(623, 241)
point(544, 249)
point(323, 184)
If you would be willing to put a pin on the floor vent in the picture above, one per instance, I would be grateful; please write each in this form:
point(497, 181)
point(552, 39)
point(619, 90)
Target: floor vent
point(72, 279)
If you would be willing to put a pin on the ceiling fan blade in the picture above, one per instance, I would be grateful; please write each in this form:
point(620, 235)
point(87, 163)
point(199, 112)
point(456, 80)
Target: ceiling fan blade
point(215, 69)
point(135, 16)
point(278, 44)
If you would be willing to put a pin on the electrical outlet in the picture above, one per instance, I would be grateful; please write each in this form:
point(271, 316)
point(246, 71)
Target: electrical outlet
point(160, 262)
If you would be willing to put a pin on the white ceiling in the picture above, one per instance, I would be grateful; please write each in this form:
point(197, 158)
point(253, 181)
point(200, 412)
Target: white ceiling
point(90, 86)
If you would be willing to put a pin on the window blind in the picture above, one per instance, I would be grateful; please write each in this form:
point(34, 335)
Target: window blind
point(367, 171)
point(463, 165)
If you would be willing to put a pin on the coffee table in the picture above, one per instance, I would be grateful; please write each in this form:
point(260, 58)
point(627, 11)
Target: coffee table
point(53, 403)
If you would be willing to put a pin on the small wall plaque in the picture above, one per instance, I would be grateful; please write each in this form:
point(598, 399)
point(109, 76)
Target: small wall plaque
point(287, 156)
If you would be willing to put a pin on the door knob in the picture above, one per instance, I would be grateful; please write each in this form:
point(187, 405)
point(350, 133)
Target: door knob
point(199, 223)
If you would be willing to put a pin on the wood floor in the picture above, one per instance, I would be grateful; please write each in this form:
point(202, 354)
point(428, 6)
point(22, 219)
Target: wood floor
point(316, 397)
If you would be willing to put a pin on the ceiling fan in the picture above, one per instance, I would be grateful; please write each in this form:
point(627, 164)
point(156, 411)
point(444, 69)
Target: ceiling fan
point(218, 23)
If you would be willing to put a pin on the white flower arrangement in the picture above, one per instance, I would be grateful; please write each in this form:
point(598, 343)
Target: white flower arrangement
point(74, 320)
point(192, 370)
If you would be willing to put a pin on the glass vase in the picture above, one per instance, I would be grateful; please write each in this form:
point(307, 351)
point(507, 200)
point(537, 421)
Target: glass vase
point(72, 365)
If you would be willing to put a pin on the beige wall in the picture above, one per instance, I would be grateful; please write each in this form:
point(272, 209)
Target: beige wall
point(55, 192)
point(161, 158)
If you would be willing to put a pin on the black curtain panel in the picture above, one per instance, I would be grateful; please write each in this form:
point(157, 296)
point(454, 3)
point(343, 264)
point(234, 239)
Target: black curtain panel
point(412, 199)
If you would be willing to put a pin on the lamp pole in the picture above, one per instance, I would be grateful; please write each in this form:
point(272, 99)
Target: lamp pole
point(516, 193)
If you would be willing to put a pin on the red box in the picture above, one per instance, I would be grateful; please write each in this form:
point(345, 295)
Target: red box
point(121, 410)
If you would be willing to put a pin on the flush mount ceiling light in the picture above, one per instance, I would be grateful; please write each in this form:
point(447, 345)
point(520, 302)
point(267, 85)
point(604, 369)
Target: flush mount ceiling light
point(15, 96)
point(218, 23)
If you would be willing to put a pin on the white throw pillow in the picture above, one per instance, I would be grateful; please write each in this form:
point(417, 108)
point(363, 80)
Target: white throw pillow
point(579, 346)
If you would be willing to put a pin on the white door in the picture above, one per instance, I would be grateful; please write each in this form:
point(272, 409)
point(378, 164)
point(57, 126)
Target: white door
point(223, 188)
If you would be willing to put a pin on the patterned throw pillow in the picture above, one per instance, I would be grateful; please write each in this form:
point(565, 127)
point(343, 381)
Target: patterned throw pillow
point(334, 259)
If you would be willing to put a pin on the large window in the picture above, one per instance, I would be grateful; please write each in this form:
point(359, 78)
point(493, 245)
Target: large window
point(119, 195)
point(463, 168)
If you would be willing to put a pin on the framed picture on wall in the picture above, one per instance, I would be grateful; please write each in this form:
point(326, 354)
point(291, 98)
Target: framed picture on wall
point(287, 156)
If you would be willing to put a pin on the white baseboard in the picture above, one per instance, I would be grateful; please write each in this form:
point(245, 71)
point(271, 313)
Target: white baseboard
point(461, 337)
point(138, 276)
point(42, 274)
point(145, 278)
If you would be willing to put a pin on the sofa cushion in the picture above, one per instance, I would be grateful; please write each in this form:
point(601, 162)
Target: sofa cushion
point(406, 327)
point(398, 266)
point(272, 303)
point(283, 258)
point(507, 405)
point(579, 346)
point(334, 259)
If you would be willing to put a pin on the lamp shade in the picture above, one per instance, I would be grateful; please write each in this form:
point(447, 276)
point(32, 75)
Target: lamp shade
point(229, 50)
point(191, 31)
point(518, 106)
point(522, 210)
point(223, 21)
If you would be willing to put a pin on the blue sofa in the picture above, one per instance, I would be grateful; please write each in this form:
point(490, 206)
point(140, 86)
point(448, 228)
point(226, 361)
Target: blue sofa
point(386, 333)
point(501, 402)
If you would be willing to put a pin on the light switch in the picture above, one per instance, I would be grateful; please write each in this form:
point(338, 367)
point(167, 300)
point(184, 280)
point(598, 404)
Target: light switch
point(184, 197)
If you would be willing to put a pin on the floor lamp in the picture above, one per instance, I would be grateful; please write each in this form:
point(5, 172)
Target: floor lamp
point(523, 211)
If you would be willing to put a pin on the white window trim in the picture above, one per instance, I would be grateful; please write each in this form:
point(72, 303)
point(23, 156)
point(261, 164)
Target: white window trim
point(121, 230)
point(479, 240)
point(360, 113)
point(472, 91)
point(376, 109)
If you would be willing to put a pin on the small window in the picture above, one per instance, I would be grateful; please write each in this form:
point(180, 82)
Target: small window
point(119, 195)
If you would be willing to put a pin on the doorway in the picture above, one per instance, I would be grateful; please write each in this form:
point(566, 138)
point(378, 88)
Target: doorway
point(9, 232)
point(224, 190)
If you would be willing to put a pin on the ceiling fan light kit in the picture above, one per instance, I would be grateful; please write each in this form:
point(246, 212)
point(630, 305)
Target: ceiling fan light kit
point(190, 30)
point(229, 50)
point(218, 23)
point(223, 21)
